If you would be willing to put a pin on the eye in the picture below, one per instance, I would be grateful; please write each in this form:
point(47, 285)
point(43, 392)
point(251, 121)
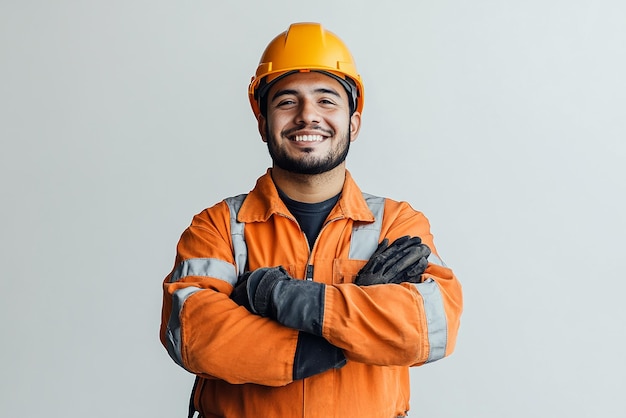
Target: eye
point(327, 102)
point(286, 102)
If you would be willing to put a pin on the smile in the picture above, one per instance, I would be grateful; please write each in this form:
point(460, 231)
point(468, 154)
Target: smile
point(307, 138)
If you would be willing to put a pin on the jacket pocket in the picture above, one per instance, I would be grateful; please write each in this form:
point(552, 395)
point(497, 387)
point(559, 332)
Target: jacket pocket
point(345, 270)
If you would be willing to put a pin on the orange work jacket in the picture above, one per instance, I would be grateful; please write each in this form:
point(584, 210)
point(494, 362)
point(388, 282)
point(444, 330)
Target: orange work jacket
point(245, 362)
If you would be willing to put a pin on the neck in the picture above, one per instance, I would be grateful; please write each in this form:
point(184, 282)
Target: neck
point(310, 188)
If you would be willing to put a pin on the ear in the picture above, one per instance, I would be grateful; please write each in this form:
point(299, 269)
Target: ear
point(262, 127)
point(355, 126)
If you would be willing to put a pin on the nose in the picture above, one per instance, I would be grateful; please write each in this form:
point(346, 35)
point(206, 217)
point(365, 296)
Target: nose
point(307, 113)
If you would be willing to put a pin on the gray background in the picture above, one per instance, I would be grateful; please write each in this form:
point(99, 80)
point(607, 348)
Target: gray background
point(503, 121)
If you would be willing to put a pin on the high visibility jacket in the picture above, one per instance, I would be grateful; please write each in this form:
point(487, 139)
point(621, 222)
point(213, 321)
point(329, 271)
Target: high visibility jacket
point(245, 362)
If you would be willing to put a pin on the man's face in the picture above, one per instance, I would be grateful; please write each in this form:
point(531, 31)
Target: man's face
point(308, 127)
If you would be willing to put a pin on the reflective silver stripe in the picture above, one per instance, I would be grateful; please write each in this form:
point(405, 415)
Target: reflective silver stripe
point(173, 342)
point(240, 250)
point(436, 319)
point(205, 267)
point(432, 258)
point(364, 240)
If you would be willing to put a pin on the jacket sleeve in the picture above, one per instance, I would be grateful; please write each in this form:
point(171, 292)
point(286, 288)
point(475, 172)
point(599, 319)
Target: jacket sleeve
point(203, 330)
point(397, 324)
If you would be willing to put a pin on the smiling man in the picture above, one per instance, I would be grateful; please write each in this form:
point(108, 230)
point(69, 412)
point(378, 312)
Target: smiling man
point(308, 127)
point(311, 117)
point(307, 297)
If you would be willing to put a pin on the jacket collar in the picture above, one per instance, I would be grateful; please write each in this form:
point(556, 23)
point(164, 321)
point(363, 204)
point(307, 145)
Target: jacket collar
point(263, 201)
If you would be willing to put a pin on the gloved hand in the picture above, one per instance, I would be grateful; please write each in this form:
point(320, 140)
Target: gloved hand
point(254, 288)
point(240, 292)
point(405, 260)
point(271, 292)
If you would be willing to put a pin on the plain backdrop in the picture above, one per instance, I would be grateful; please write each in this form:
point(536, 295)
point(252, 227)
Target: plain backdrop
point(503, 121)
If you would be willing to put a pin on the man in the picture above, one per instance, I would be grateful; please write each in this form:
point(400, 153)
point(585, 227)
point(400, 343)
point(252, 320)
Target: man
point(307, 297)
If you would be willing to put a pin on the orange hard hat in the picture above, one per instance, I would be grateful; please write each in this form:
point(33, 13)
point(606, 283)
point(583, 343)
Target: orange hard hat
point(306, 47)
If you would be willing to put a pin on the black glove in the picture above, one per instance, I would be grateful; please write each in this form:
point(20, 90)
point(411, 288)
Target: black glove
point(240, 292)
point(405, 260)
point(254, 288)
point(271, 292)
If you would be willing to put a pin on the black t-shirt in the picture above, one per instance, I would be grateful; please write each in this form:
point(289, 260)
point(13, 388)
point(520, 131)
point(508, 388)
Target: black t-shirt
point(310, 216)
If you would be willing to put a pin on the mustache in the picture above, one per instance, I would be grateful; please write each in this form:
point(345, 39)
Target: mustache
point(292, 131)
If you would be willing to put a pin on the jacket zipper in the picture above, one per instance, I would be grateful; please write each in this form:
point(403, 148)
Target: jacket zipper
point(309, 266)
point(308, 275)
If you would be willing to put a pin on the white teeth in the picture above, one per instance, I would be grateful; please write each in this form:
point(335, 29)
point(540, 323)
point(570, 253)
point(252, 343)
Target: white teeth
point(308, 138)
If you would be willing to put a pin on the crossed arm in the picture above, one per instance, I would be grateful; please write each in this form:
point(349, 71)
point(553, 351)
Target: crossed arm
point(216, 337)
point(299, 304)
point(270, 329)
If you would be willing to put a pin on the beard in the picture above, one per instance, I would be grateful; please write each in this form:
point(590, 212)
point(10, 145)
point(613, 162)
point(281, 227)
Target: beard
point(309, 164)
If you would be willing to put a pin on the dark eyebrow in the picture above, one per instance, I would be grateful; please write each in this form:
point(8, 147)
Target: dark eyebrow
point(284, 92)
point(321, 90)
point(328, 91)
